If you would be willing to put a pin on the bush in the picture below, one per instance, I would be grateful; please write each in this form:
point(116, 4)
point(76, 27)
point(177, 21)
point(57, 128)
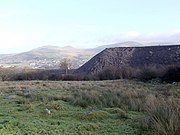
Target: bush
point(69, 78)
point(151, 73)
point(107, 74)
point(172, 74)
point(148, 73)
point(125, 73)
point(117, 73)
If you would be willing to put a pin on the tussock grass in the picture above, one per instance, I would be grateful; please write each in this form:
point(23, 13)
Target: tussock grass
point(129, 99)
point(164, 115)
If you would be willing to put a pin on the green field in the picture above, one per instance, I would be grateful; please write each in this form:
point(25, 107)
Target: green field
point(121, 107)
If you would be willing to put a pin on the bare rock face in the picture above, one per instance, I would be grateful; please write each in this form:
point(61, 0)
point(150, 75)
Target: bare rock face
point(132, 57)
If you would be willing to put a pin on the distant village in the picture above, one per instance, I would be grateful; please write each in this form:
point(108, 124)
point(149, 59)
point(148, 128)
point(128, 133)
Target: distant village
point(39, 64)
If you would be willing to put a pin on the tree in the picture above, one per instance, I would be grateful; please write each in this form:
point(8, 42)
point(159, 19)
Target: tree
point(7, 73)
point(65, 64)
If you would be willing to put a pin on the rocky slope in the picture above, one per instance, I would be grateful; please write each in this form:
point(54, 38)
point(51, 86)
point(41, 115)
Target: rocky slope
point(132, 56)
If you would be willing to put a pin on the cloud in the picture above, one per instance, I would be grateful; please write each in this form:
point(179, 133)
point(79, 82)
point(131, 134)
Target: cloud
point(171, 37)
point(149, 38)
point(17, 39)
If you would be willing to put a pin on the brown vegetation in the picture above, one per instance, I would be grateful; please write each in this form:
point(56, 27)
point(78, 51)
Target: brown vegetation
point(151, 73)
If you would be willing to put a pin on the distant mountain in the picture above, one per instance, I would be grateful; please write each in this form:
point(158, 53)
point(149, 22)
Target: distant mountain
point(123, 44)
point(5, 55)
point(50, 56)
point(132, 57)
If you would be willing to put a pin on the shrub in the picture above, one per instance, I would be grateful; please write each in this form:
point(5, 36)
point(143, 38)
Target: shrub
point(172, 74)
point(148, 73)
point(107, 74)
point(117, 73)
point(68, 78)
point(55, 77)
point(125, 73)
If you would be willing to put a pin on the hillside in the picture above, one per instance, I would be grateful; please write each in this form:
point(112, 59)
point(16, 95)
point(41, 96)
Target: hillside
point(132, 56)
point(50, 56)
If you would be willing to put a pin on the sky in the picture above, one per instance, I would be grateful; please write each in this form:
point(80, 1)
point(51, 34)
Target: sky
point(28, 24)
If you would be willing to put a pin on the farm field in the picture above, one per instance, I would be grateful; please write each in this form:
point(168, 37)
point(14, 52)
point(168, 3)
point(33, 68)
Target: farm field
point(116, 107)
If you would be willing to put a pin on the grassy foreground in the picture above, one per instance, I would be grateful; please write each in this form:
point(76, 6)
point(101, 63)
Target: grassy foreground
point(120, 107)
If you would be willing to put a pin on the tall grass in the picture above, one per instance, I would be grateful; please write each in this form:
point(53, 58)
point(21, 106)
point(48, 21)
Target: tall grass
point(161, 109)
point(164, 115)
point(127, 100)
point(159, 103)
